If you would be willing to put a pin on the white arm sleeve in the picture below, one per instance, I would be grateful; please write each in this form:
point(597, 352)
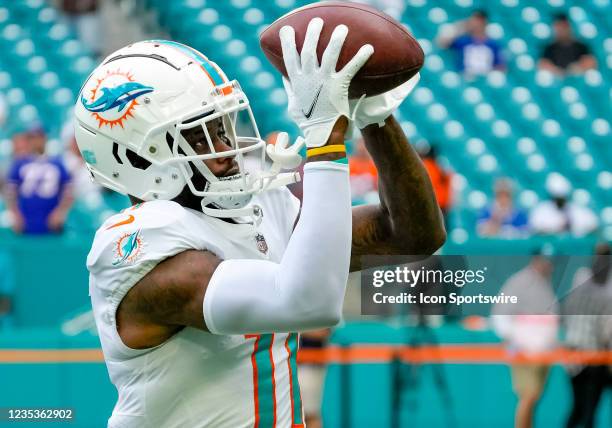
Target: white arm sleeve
point(306, 289)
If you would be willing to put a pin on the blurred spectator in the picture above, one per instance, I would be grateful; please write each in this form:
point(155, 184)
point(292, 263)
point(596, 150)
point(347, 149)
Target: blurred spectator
point(84, 187)
point(565, 54)
point(558, 214)
point(528, 327)
point(364, 177)
point(477, 53)
point(39, 193)
point(311, 377)
point(440, 178)
point(588, 317)
point(85, 16)
point(502, 218)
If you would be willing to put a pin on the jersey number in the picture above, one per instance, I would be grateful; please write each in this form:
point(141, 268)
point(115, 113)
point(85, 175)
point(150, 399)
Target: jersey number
point(40, 179)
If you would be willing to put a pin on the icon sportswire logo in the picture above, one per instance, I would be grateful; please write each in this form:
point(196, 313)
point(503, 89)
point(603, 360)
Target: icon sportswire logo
point(308, 113)
point(114, 97)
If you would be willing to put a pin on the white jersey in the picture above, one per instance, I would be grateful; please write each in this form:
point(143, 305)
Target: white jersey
point(194, 379)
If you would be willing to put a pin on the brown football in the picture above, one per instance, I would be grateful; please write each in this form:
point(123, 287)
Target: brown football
point(397, 55)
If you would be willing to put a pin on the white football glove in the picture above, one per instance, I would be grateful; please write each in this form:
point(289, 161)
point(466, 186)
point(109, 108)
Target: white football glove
point(318, 95)
point(377, 108)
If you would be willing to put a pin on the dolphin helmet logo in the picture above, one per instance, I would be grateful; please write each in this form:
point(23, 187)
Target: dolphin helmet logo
point(114, 97)
point(119, 96)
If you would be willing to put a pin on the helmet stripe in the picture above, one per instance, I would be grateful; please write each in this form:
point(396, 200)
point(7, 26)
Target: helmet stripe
point(210, 70)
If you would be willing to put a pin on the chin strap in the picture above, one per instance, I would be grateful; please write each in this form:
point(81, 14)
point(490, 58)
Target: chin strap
point(272, 181)
point(252, 210)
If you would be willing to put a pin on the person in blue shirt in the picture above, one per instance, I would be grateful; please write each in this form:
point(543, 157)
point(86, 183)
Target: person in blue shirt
point(477, 54)
point(502, 218)
point(39, 193)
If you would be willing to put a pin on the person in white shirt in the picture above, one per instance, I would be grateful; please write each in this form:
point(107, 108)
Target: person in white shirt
point(528, 327)
point(558, 214)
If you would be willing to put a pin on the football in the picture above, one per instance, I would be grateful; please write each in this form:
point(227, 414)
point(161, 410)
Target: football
point(397, 55)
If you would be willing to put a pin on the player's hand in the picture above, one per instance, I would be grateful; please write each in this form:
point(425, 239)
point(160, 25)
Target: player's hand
point(18, 223)
point(376, 109)
point(56, 219)
point(318, 95)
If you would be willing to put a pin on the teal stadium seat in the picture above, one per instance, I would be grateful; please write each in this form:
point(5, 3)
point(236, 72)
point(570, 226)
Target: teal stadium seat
point(40, 57)
point(522, 123)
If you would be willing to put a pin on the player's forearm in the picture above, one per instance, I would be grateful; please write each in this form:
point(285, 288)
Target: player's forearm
point(446, 36)
point(407, 198)
point(546, 64)
point(66, 200)
point(321, 242)
point(11, 197)
point(320, 246)
point(336, 138)
point(306, 289)
point(587, 62)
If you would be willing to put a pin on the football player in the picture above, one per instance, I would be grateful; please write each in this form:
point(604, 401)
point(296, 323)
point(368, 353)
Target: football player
point(199, 288)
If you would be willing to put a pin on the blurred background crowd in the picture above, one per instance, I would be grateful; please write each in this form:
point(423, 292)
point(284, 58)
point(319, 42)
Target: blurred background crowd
point(511, 118)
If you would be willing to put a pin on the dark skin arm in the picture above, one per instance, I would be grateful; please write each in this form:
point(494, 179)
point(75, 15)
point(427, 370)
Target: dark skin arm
point(166, 299)
point(408, 220)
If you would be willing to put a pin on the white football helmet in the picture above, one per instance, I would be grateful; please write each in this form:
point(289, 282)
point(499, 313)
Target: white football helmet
point(133, 111)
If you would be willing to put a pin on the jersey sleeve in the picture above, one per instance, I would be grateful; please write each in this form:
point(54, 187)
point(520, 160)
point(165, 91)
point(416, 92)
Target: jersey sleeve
point(583, 50)
point(131, 243)
point(458, 43)
point(13, 175)
point(498, 57)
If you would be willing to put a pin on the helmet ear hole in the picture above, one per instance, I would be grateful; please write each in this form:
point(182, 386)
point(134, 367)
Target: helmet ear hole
point(137, 161)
